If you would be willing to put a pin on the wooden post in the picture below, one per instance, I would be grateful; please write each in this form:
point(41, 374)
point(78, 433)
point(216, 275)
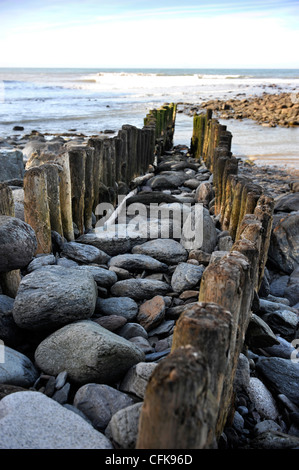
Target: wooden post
point(65, 193)
point(9, 281)
point(264, 213)
point(208, 328)
point(89, 188)
point(36, 207)
point(178, 412)
point(7, 206)
point(53, 172)
point(77, 156)
point(227, 282)
point(236, 207)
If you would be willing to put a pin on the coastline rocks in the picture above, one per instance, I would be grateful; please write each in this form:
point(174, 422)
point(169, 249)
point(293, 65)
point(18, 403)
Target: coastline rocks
point(84, 253)
point(18, 243)
point(88, 352)
point(281, 376)
point(287, 203)
point(121, 306)
point(40, 262)
point(139, 289)
point(291, 291)
point(259, 333)
point(137, 262)
point(54, 296)
point(31, 420)
point(11, 165)
point(103, 277)
point(123, 427)
point(165, 250)
point(262, 399)
point(17, 369)
point(186, 276)
point(151, 312)
point(269, 109)
point(284, 246)
point(100, 402)
point(199, 231)
point(116, 240)
point(10, 333)
point(111, 322)
point(136, 379)
point(168, 180)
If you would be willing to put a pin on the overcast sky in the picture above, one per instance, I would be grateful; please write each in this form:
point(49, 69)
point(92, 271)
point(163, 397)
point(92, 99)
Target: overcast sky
point(156, 33)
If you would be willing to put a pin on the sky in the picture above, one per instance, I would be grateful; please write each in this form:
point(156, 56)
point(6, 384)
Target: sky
point(149, 34)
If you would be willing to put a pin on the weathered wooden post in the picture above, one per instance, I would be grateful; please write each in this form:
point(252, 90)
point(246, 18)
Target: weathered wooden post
point(227, 282)
point(65, 194)
point(36, 207)
point(53, 172)
point(9, 281)
point(77, 157)
point(89, 188)
point(7, 206)
point(208, 328)
point(178, 412)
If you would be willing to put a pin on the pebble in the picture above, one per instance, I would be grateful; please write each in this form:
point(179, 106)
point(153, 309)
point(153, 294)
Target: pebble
point(142, 287)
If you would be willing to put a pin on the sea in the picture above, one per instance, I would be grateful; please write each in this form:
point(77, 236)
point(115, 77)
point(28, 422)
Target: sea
point(94, 101)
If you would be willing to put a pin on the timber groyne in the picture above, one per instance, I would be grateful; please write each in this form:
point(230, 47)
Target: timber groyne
point(146, 335)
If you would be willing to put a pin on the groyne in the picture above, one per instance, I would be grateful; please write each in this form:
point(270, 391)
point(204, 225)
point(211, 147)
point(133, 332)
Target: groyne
point(142, 336)
point(209, 337)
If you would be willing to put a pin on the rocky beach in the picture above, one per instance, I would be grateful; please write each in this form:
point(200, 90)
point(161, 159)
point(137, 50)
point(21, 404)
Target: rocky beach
point(268, 109)
point(89, 322)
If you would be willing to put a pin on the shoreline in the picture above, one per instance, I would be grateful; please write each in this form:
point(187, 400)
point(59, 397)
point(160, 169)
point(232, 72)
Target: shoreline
point(269, 110)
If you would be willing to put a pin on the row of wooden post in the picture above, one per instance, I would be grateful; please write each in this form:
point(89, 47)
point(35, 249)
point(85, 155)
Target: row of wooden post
point(190, 393)
point(67, 188)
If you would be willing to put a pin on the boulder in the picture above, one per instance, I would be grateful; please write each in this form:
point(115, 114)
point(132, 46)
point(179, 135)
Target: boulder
point(10, 333)
point(103, 277)
point(199, 231)
point(165, 250)
point(116, 240)
point(168, 180)
point(186, 276)
point(123, 427)
point(122, 306)
point(88, 352)
point(242, 375)
point(259, 334)
point(287, 203)
point(151, 312)
point(100, 402)
point(40, 262)
point(136, 379)
point(16, 368)
point(291, 291)
point(54, 296)
point(283, 251)
point(280, 375)
point(84, 253)
point(283, 349)
point(11, 165)
point(262, 399)
point(139, 289)
point(31, 420)
point(204, 193)
point(137, 262)
point(18, 243)
point(111, 322)
point(132, 330)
